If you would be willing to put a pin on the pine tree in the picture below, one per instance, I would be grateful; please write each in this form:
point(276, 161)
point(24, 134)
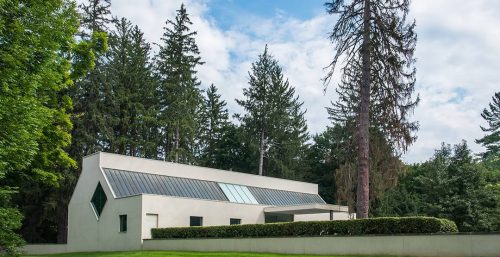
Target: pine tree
point(492, 140)
point(213, 130)
point(274, 120)
point(376, 45)
point(180, 97)
point(129, 102)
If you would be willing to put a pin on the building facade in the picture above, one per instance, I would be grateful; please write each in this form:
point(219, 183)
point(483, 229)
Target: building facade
point(118, 199)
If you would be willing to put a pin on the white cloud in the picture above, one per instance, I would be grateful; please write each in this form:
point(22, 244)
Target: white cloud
point(457, 53)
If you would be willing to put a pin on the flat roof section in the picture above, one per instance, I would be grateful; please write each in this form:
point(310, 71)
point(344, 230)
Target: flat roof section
point(306, 209)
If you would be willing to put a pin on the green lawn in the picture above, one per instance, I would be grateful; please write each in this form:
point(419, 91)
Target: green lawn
point(182, 254)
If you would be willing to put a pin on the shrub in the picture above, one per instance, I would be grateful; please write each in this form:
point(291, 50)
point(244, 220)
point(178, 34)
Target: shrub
point(389, 225)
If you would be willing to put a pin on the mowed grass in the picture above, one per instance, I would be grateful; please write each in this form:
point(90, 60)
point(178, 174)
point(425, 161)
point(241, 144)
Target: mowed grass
point(180, 254)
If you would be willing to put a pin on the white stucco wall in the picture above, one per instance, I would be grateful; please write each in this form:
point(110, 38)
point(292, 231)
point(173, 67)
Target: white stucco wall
point(322, 216)
point(85, 231)
point(175, 212)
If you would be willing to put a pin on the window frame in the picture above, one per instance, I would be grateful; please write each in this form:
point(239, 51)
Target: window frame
point(234, 219)
point(192, 218)
point(123, 226)
point(98, 213)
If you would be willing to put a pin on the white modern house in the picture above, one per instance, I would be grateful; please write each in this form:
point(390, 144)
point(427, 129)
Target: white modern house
point(118, 199)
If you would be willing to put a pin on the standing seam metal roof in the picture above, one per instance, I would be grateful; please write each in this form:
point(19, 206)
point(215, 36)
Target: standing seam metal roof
point(130, 183)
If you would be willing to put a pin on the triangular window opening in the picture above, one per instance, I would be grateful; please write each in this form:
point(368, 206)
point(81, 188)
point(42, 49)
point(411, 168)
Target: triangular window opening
point(98, 200)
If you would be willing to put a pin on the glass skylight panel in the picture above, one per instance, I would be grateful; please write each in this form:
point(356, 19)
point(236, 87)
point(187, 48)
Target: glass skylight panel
point(228, 193)
point(243, 194)
point(249, 195)
point(235, 193)
point(238, 193)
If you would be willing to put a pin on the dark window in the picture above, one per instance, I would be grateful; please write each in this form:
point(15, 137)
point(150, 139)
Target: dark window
point(99, 199)
point(123, 223)
point(195, 221)
point(234, 221)
point(273, 218)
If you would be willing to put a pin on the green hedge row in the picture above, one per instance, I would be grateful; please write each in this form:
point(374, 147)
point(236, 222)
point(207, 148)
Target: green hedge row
point(389, 225)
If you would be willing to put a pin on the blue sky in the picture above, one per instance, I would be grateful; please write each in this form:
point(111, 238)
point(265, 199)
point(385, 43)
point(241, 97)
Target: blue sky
point(457, 56)
point(226, 12)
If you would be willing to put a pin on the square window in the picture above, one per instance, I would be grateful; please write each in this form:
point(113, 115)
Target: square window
point(123, 223)
point(234, 221)
point(195, 221)
point(98, 200)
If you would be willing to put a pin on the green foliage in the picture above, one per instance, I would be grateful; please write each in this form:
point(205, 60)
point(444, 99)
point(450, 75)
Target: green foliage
point(10, 222)
point(130, 102)
point(215, 132)
point(407, 225)
point(39, 64)
point(273, 121)
point(331, 166)
point(180, 96)
point(450, 185)
point(492, 140)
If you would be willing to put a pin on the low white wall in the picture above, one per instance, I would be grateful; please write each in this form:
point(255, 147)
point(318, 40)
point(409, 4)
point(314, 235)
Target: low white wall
point(404, 245)
point(45, 249)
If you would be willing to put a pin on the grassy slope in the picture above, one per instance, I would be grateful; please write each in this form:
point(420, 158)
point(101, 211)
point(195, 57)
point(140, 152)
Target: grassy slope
point(181, 254)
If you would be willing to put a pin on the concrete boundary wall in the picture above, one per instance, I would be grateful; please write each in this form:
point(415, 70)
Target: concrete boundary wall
point(399, 245)
point(45, 248)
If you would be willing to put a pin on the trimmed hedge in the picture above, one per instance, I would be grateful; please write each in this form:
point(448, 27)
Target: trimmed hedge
point(389, 225)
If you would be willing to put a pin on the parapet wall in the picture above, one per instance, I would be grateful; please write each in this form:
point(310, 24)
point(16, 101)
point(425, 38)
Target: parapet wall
point(394, 245)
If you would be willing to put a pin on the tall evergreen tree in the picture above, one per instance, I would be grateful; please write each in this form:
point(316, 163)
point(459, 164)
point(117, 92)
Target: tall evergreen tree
point(377, 46)
point(213, 130)
point(129, 96)
point(86, 95)
point(492, 140)
point(180, 97)
point(274, 120)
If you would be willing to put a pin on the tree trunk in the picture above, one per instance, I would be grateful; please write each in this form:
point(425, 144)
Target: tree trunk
point(261, 153)
point(363, 188)
point(177, 143)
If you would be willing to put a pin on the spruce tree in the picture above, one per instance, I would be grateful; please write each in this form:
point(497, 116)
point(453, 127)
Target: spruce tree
point(129, 103)
point(213, 130)
point(274, 119)
point(376, 45)
point(492, 140)
point(86, 95)
point(180, 97)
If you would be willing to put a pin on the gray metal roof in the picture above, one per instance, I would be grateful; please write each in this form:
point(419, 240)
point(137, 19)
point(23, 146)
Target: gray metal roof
point(275, 197)
point(129, 183)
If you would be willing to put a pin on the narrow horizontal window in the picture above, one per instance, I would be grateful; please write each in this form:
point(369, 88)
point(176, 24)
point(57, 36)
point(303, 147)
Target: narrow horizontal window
point(234, 221)
point(195, 221)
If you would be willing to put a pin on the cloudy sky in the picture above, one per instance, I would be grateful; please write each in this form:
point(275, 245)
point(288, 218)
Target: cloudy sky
point(458, 50)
